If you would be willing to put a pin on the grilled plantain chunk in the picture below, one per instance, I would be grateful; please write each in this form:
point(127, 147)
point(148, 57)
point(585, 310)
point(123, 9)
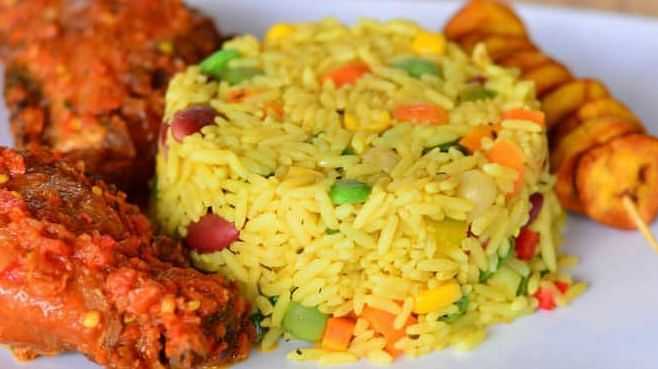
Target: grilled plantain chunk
point(498, 46)
point(525, 60)
point(625, 166)
point(599, 108)
point(567, 98)
point(548, 76)
point(587, 127)
point(566, 155)
point(489, 17)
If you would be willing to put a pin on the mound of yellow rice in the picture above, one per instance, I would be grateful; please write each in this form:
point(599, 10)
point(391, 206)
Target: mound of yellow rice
point(433, 244)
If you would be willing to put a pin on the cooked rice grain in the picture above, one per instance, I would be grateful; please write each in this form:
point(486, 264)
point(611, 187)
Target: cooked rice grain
point(270, 175)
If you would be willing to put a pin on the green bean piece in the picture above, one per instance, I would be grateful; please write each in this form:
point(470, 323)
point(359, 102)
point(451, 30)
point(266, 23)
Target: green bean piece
point(417, 67)
point(304, 323)
point(236, 75)
point(217, 63)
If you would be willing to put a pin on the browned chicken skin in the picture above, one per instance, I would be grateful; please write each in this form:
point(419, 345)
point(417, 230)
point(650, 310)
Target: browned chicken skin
point(80, 270)
point(88, 78)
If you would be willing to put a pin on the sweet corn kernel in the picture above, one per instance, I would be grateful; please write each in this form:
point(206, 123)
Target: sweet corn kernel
point(432, 300)
point(380, 122)
point(91, 319)
point(429, 43)
point(350, 122)
point(4, 178)
point(278, 32)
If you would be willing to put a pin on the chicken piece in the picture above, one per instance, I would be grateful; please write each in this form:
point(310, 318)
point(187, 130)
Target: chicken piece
point(80, 270)
point(88, 78)
point(566, 155)
point(625, 166)
point(568, 97)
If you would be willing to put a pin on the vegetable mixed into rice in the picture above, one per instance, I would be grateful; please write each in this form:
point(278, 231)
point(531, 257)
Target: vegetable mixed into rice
point(375, 191)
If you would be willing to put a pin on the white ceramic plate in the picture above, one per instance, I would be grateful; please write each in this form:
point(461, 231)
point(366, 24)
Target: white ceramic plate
point(615, 324)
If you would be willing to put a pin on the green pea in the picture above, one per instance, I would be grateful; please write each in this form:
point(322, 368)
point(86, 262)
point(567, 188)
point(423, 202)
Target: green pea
point(217, 63)
point(417, 67)
point(475, 93)
point(236, 75)
point(304, 323)
point(349, 191)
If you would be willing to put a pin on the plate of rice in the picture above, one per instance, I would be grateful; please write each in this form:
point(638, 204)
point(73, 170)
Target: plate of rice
point(384, 198)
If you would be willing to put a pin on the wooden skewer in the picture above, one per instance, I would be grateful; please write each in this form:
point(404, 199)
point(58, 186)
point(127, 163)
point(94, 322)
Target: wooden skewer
point(639, 222)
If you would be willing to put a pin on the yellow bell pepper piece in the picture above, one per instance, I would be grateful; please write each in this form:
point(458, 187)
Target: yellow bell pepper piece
point(433, 300)
point(278, 32)
point(429, 43)
point(450, 232)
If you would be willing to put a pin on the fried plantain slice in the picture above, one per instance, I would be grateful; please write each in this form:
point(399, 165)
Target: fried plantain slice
point(497, 46)
point(485, 16)
point(548, 76)
point(599, 108)
point(625, 166)
point(568, 97)
point(525, 60)
point(567, 153)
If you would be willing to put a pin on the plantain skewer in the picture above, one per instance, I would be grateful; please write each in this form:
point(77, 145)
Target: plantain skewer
point(639, 222)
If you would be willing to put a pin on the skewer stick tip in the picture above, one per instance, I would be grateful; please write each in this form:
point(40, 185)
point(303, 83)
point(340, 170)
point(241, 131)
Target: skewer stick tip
point(639, 222)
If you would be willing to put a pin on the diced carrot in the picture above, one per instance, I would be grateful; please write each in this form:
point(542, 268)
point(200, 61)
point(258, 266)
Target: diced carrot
point(338, 334)
point(421, 113)
point(525, 114)
point(383, 323)
point(473, 139)
point(347, 74)
point(509, 154)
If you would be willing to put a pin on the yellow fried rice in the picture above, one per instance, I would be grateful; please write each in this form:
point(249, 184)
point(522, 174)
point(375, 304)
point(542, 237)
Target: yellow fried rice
point(434, 245)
